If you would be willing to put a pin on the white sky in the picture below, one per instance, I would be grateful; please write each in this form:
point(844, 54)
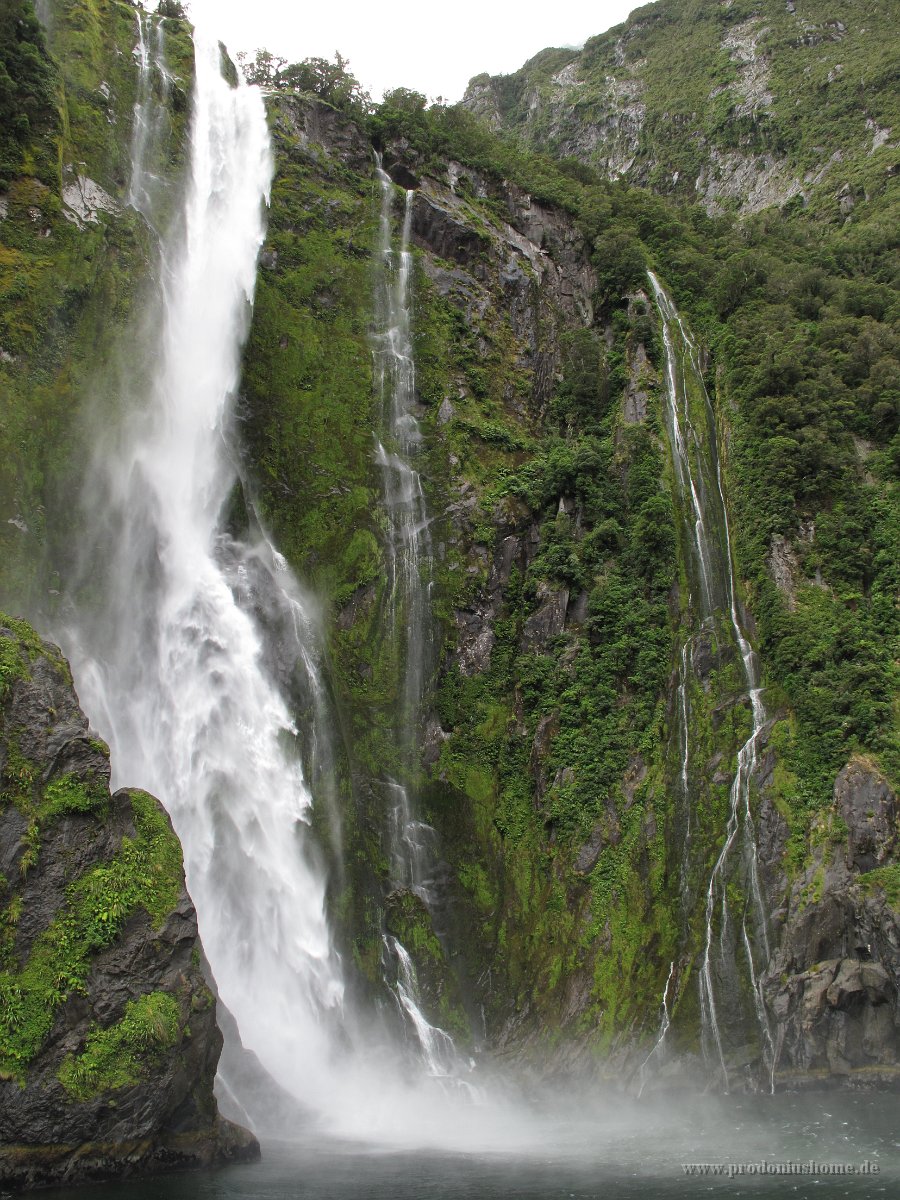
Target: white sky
point(434, 48)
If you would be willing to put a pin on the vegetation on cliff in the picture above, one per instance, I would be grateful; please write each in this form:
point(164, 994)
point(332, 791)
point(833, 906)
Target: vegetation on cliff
point(739, 105)
point(560, 585)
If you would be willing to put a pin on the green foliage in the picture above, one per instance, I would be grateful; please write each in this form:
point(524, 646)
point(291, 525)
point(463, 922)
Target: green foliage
point(146, 873)
point(887, 880)
point(401, 114)
point(67, 293)
point(172, 9)
point(330, 82)
point(28, 91)
point(121, 1054)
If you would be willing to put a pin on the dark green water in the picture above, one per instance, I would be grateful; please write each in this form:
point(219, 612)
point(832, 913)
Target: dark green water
point(582, 1152)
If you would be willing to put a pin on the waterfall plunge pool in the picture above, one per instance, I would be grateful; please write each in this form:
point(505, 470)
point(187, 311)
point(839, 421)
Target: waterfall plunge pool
point(578, 1151)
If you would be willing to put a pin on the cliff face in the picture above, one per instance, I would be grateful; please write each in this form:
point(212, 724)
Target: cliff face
point(832, 983)
point(108, 1039)
point(74, 260)
point(737, 106)
point(572, 882)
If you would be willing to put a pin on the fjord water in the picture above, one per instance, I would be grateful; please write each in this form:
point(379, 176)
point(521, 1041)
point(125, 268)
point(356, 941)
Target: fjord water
point(581, 1149)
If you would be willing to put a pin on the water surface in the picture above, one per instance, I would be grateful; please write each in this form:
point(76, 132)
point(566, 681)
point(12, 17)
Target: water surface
point(588, 1151)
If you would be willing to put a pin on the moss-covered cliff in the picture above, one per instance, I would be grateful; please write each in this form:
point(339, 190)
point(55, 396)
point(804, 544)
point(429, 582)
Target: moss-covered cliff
point(550, 751)
point(72, 259)
point(559, 710)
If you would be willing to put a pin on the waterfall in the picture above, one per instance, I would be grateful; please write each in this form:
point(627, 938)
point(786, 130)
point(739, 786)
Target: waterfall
point(664, 1025)
point(185, 639)
point(412, 843)
point(699, 482)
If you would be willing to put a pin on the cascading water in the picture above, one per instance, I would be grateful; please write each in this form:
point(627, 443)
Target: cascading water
point(412, 842)
point(169, 654)
point(699, 482)
point(664, 1026)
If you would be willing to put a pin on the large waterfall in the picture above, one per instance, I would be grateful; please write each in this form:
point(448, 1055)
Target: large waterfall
point(172, 665)
point(713, 610)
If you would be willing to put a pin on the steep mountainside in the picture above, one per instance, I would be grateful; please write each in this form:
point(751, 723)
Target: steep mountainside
point(73, 253)
point(573, 877)
point(658, 737)
point(737, 104)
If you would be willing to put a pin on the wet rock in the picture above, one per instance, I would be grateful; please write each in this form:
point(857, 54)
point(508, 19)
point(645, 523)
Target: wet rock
point(433, 738)
point(317, 129)
point(84, 200)
point(401, 174)
point(445, 234)
point(606, 832)
point(475, 640)
point(61, 825)
point(833, 984)
point(589, 854)
point(868, 807)
point(546, 730)
point(578, 609)
point(703, 656)
point(634, 777)
point(549, 620)
point(637, 395)
point(784, 569)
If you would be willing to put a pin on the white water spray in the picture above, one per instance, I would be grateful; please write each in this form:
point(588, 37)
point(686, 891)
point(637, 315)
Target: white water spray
point(174, 672)
point(664, 1026)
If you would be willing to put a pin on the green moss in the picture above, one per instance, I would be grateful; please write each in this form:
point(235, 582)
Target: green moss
point(409, 922)
point(146, 873)
point(121, 1054)
point(885, 879)
point(19, 649)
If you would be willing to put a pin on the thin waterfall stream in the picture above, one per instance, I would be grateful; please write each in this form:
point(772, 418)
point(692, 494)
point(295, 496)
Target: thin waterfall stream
point(699, 482)
point(411, 841)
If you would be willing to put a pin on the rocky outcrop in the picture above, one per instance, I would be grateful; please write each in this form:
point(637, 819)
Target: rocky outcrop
point(833, 985)
point(108, 1035)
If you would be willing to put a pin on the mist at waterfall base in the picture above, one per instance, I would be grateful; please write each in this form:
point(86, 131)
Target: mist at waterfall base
point(187, 657)
point(578, 1148)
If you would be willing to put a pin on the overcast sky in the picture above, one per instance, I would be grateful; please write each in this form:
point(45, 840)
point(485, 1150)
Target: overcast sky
point(434, 48)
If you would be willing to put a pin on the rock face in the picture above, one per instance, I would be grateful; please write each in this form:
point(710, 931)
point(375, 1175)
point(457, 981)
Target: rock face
point(108, 1035)
point(833, 985)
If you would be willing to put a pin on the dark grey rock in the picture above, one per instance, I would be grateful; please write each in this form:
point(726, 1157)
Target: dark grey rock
point(868, 807)
point(549, 620)
point(832, 986)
